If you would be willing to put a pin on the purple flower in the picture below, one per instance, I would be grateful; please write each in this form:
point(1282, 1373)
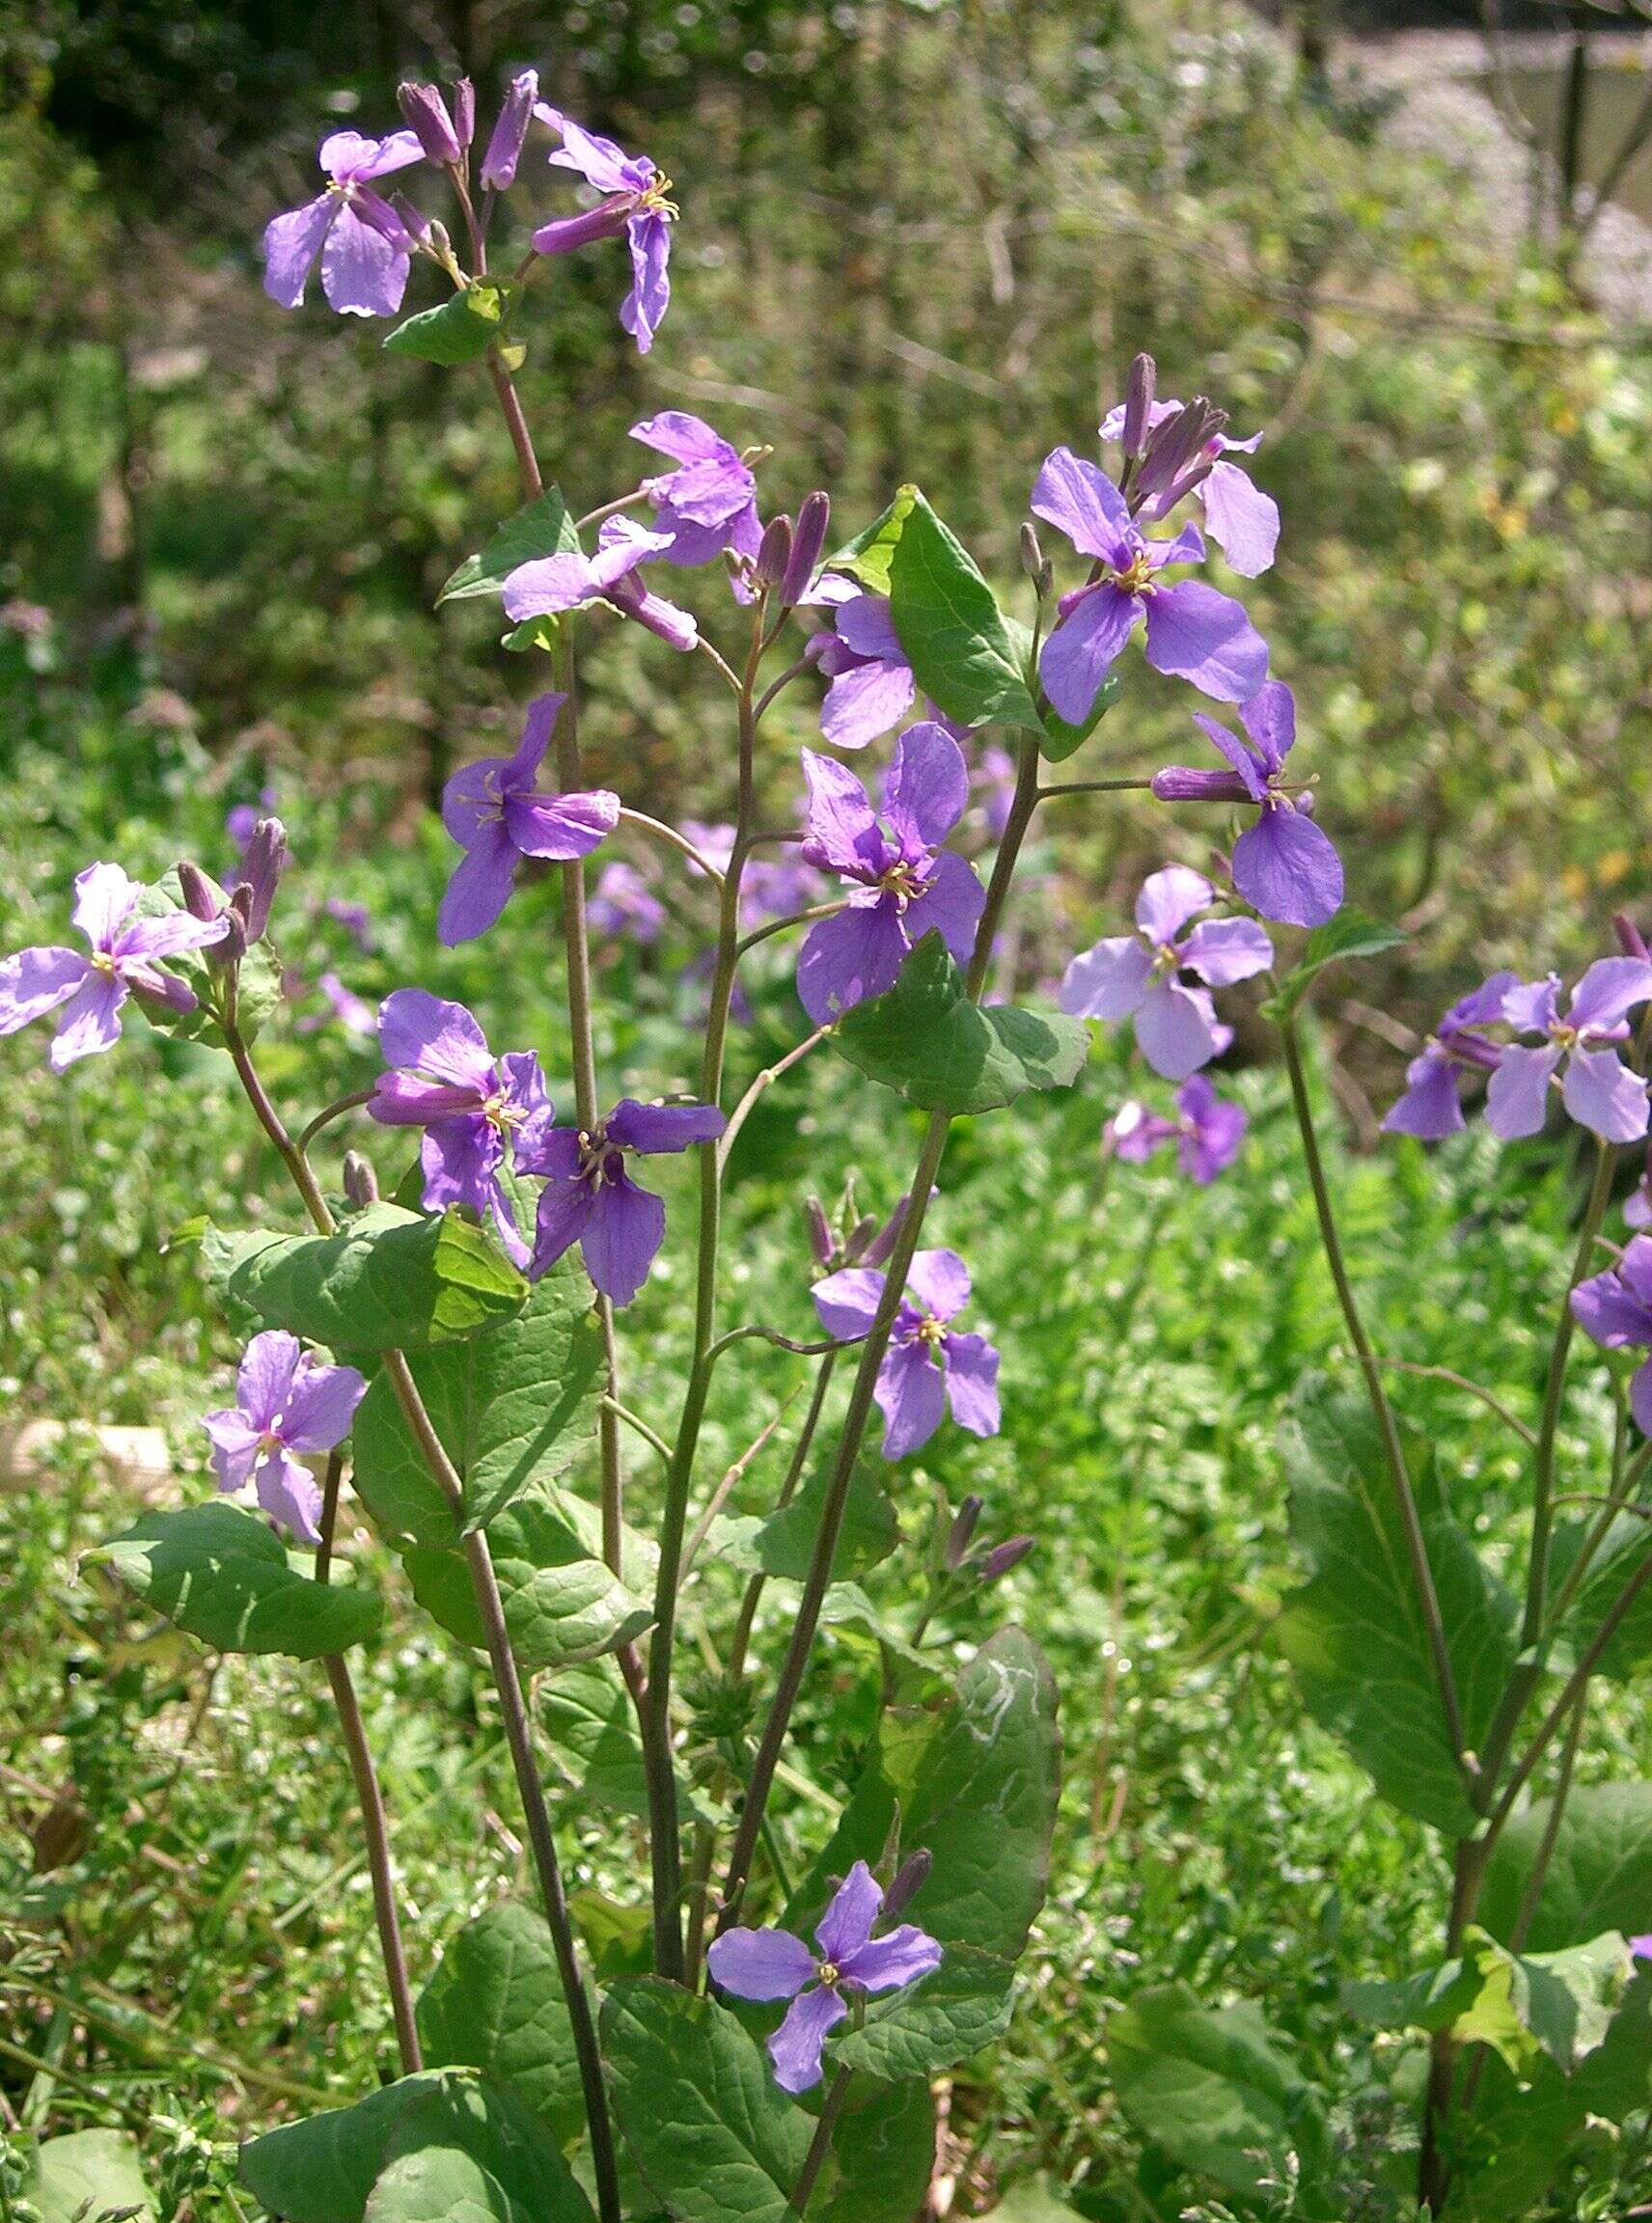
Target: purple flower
point(554, 583)
point(770, 887)
point(871, 684)
point(354, 918)
point(634, 201)
point(927, 1367)
point(1243, 521)
point(624, 903)
point(125, 954)
point(1430, 1109)
point(1207, 1131)
point(1138, 975)
point(353, 1011)
point(286, 1403)
point(1285, 865)
point(510, 132)
point(1615, 1309)
point(1597, 1089)
point(496, 813)
point(904, 884)
point(1641, 1947)
point(588, 1197)
point(364, 248)
point(1194, 633)
point(994, 777)
point(709, 502)
point(1638, 1204)
point(773, 1965)
point(444, 1078)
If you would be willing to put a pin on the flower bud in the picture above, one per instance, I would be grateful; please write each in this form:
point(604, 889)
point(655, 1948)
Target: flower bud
point(774, 552)
point(1188, 784)
point(1174, 444)
point(808, 540)
point(427, 112)
point(198, 897)
point(1630, 939)
point(1138, 405)
point(962, 1529)
point(1003, 1556)
point(261, 868)
point(361, 1182)
point(1032, 555)
point(464, 111)
point(233, 947)
point(910, 1878)
point(860, 1237)
point(1185, 484)
point(822, 1243)
point(510, 132)
point(877, 1250)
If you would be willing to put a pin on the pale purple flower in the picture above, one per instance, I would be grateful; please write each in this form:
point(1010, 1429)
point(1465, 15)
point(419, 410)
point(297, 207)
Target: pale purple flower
point(771, 1965)
point(510, 132)
point(1194, 633)
point(1207, 1131)
point(994, 778)
point(1638, 1204)
point(871, 688)
point(903, 884)
point(929, 1366)
point(590, 1199)
point(1284, 865)
point(354, 918)
point(286, 1403)
point(444, 1078)
point(709, 502)
point(364, 247)
point(1615, 1309)
point(126, 950)
point(770, 887)
point(1430, 1107)
point(1138, 975)
point(554, 583)
point(623, 902)
point(1641, 1947)
point(1598, 1090)
point(1241, 520)
point(353, 1012)
point(493, 809)
point(635, 199)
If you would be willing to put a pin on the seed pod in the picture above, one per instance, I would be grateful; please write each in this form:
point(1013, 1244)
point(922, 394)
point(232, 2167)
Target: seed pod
point(1032, 555)
point(822, 1243)
point(264, 862)
point(1003, 1556)
point(807, 539)
point(510, 132)
point(464, 111)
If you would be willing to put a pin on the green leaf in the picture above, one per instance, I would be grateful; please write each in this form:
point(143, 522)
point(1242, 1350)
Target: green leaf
point(221, 1574)
point(1033, 2199)
point(85, 2176)
point(543, 528)
point(954, 635)
point(782, 1545)
point(496, 2003)
point(949, 2016)
point(1599, 1876)
point(621, 1938)
point(1214, 2087)
point(930, 1044)
point(514, 1407)
point(460, 331)
point(883, 2156)
point(713, 2136)
point(592, 1731)
point(258, 977)
point(1061, 740)
point(1561, 2004)
point(1355, 1634)
point(1350, 934)
point(389, 1280)
point(976, 1782)
point(870, 555)
point(1624, 1546)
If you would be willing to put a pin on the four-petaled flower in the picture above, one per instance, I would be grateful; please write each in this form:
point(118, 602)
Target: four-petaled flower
point(444, 1078)
point(1207, 1130)
point(1615, 1309)
point(1241, 520)
point(871, 684)
point(1430, 1107)
point(903, 884)
point(495, 812)
point(126, 950)
point(1194, 633)
point(1138, 975)
point(286, 1403)
point(588, 1197)
point(928, 1366)
point(771, 1965)
point(553, 583)
point(1284, 865)
point(364, 247)
point(635, 199)
point(709, 502)
point(1597, 1089)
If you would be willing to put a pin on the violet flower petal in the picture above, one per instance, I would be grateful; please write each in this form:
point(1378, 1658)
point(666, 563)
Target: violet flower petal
point(292, 243)
point(561, 827)
point(848, 1301)
point(235, 1444)
point(643, 310)
point(103, 901)
point(622, 1238)
point(36, 981)
point(950, 903)
point(1084, 649)
point(1601, 1093)
point(478, 889)
point(926, 789)
point(849, 958)
point(865, 701)
point(847, 1922)
point(1640, 1405)
point(938, 1283)
point(1608, 991)
point(1225, 950)
point(1611, 1315)
point(911, 1395)
point(1287, 867)
point(1169, 898)
point(263, 1382)
point(1429, 1108)
point(888, 1963)
point(661, 1129)
point(971, 1381)
point(1244, 522)
point(321, 1407)
point(90, 1021)
point(761, 1964)
point(1196, 634)
point(422, 1034)
point(289, 1494)
point(363, 273)
point(1083, 502)
point(1175, 1029)
point(1108, 980)
point(1516, 1097)
point(796, 2046)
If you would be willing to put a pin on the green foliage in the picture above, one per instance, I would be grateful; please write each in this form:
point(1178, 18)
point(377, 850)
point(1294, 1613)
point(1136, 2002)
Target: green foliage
point(1561, 2004)
point(955, 2013)
point(543, 528)
point(882, 2155)
point(86, 2176)
point(1599, 1873)
point(461, 330)
point(1346, 936)
point(930, 1044)
point(783, 1542)
point(496, 2004)
point(220, 1573)
point(955, 637)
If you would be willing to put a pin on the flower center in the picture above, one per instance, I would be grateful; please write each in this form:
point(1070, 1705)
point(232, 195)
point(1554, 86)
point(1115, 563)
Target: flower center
point(1136, 577)
point(1565, 1037)
point(599, 1160)
point(655, 197)
point(1167, 958)
point(102, 962)
point(828, 1973)
point(932, 1335)
point(501, 1113)
point(903, 881)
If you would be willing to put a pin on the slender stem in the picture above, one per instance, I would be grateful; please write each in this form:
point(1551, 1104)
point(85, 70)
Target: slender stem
point(1422, 1575)
point(725, 1490)
point(785, 925)
point(640, 1427)
point(752, 1334)
point(1492, 1402)
point(657, 830)
point(820, 2145)
point(1092, 787)
point(1620, 1502)
point(789, 1487)
point(269, 1119)
point(779, 685)
point(615, 508)
point(1557, 1798)
point(350, 1102)
point(766, 1079)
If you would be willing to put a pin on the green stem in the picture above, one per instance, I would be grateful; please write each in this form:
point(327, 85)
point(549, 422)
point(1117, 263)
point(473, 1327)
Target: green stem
point(820, 2145)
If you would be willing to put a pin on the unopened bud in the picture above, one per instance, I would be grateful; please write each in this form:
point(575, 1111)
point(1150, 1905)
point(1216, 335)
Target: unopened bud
point(910, 1878)
point(1174, 444)
point(1192, 783)
point(361, 1182)
point(774, 552)
point(427, 112)
point(1032, 555)
point(1003, 1556)
point(808, 541)
point(877, 1250)
point(261, 868)
point(961, 1531)
point(510, 132)
point(822, 1240)
point(1185, 484)
point(1630, 939)
point(859, 1239)
point(1138, 405)
point(464, 111)
point(200, 899)
point(233, 947)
